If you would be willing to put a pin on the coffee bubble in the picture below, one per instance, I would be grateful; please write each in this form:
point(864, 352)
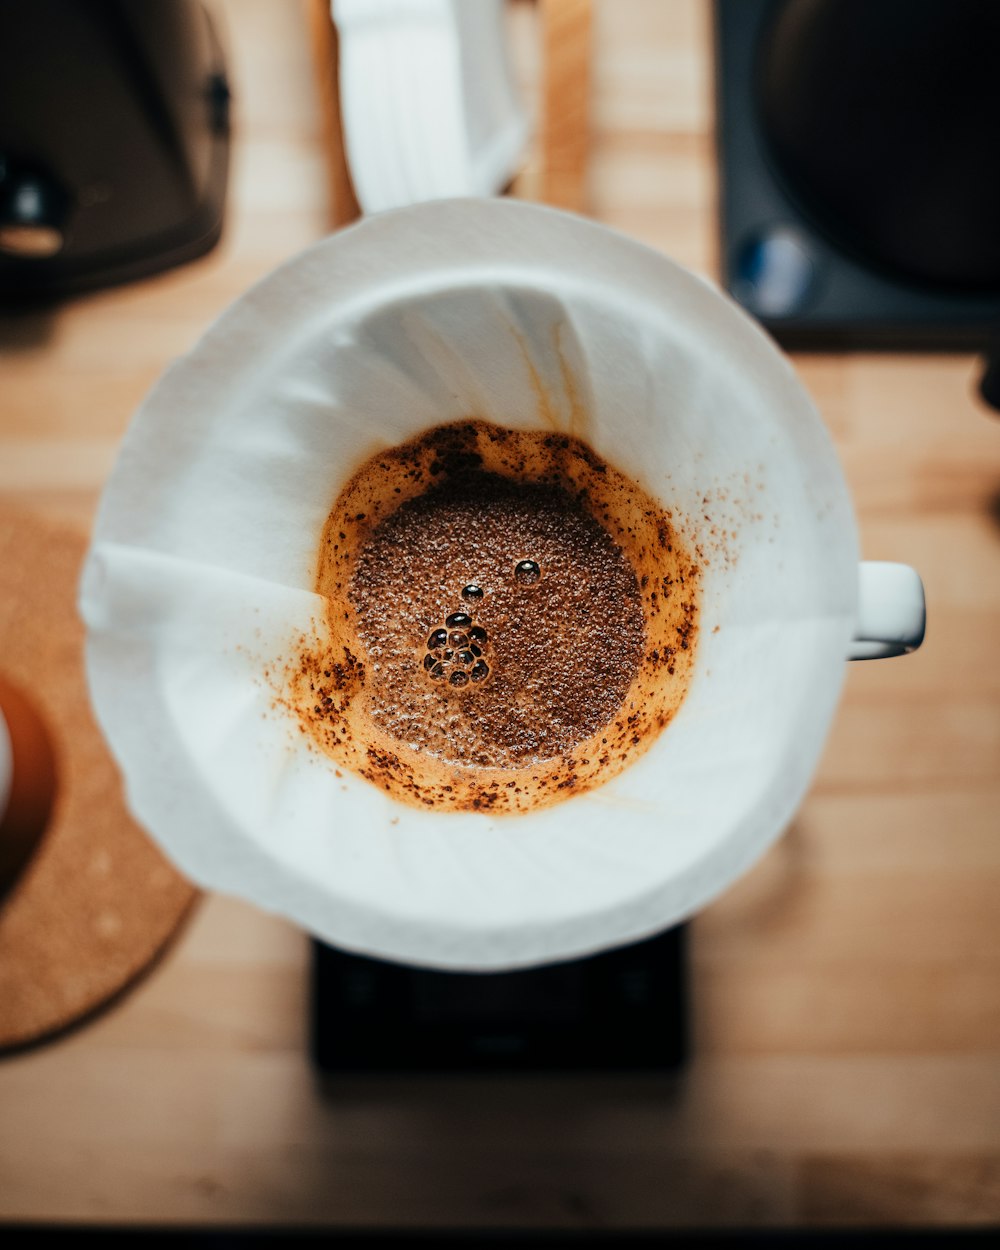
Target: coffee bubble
point(472, 593)
point(527, 572)
point(458, 620)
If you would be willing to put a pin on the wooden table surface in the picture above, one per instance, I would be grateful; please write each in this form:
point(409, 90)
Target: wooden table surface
point(847, 991)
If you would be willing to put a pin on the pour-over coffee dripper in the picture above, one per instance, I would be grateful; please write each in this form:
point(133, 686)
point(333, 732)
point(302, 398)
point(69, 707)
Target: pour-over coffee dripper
point(202, 565)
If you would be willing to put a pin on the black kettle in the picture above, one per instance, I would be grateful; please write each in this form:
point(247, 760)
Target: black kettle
point(114, 141)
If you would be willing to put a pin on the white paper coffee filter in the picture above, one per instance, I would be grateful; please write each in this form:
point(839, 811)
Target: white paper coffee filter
point(203, 559)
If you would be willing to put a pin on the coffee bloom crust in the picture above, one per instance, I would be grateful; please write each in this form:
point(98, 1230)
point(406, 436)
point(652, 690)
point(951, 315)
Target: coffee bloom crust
point(509, 621)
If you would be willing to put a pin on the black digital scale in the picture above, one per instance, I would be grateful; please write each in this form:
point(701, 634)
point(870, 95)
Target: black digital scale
point(622, 1010)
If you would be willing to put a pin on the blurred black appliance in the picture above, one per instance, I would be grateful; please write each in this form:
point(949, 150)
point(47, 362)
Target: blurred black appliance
point(622, 1010)
point(114, 141)
point(860, 186)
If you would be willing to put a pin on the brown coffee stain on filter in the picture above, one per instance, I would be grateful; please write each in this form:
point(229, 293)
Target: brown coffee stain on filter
point(535, 688)
point(579, 412)
point(549, 411)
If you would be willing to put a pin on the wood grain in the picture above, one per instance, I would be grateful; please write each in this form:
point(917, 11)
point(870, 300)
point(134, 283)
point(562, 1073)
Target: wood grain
point(344, 207)
point(565, 122)
point(847, 990)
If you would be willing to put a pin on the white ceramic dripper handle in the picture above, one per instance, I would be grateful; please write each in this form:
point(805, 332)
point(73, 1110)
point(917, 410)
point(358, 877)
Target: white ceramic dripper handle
point(891, 612)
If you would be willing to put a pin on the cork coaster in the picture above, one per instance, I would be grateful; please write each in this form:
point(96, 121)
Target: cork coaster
point(97, 902)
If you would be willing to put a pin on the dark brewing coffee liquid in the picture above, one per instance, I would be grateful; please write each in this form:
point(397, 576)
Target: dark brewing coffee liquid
point(510, 621)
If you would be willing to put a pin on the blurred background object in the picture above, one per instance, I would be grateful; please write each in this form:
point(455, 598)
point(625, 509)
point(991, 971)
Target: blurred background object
point(420, 101)
point(114, 141)
point(87, 902)
point(860, 190)
point(428, 99)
